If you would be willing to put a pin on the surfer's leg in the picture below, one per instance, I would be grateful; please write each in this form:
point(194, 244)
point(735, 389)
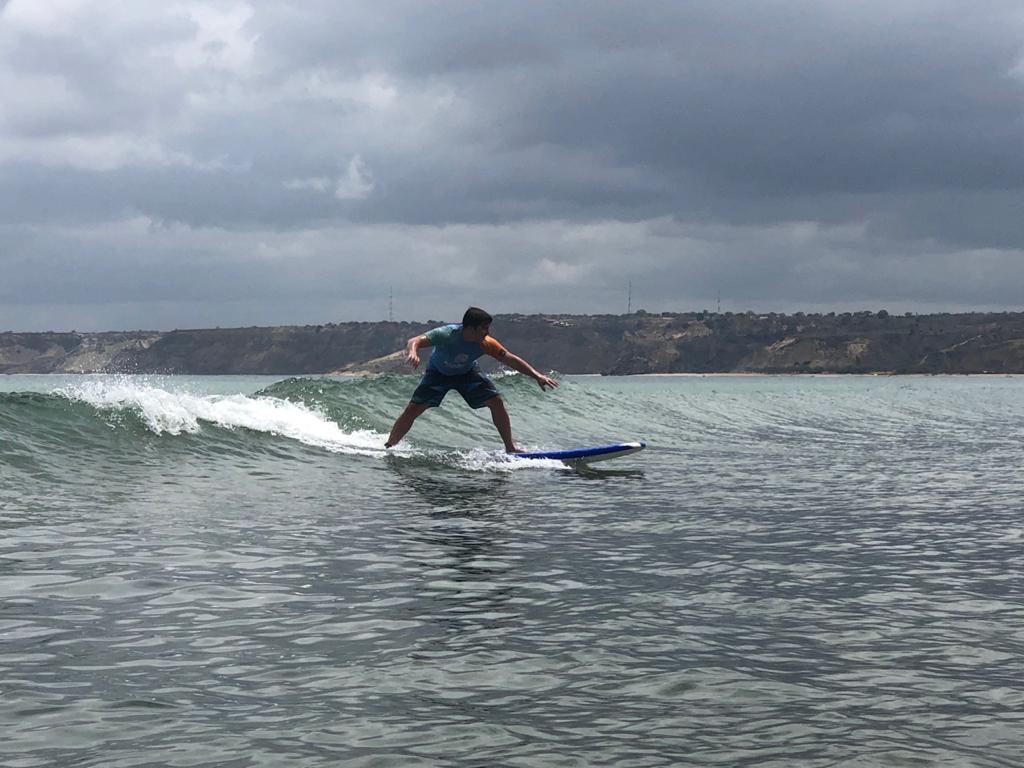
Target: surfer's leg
point(501, 421)
point(404, 422)
point(429, 394)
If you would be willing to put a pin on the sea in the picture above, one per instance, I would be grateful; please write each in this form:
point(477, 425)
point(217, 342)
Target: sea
point(232, 571)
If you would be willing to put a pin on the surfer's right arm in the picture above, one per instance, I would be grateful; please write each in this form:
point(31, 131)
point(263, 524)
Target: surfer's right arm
point(412, 347)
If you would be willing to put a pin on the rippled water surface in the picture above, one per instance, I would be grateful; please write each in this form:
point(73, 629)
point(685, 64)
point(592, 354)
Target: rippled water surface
point(806, 571)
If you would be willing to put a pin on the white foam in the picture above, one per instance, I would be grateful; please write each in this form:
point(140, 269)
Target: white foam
point(478, 459)
point(175, 412)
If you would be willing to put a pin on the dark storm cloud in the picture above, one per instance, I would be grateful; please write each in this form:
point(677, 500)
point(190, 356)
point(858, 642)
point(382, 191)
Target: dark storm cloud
point(785, 153)
point(765, 99)
point(684, 109)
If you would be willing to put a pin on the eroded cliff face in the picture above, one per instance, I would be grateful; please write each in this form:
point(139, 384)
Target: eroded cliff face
point(613, 344)
point(255, 350)
point(71, 352)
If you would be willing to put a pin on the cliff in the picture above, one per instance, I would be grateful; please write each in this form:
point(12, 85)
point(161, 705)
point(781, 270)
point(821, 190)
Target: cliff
point(862, 342)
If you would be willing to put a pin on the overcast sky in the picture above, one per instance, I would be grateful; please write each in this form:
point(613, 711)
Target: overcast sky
point(195, 164)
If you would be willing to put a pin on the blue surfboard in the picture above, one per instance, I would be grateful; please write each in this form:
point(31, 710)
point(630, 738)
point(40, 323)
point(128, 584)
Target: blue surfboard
point(597, 453)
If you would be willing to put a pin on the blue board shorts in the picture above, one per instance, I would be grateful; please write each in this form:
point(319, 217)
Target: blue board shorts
point(475, 388)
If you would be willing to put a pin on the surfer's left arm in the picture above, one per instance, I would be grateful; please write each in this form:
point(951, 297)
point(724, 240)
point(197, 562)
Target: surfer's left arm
point(516, 363)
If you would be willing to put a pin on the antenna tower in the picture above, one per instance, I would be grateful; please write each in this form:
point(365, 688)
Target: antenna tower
point(629, 298)
point(391, 305)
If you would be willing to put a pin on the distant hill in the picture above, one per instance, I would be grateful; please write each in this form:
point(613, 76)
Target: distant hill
point(860, 342)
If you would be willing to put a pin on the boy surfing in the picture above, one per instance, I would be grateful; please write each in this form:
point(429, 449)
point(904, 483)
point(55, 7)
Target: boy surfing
point(453, 365)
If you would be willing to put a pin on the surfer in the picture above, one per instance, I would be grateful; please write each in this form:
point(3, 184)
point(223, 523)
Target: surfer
point(453, 365)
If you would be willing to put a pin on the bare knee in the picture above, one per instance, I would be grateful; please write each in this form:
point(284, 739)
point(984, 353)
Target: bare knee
point(495, 403)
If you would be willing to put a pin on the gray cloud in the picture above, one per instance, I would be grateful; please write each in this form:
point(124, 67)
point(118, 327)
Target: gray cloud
point(288, 163)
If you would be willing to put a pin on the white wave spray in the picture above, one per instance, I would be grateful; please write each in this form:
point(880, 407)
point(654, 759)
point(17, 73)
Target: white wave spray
point(175, 412)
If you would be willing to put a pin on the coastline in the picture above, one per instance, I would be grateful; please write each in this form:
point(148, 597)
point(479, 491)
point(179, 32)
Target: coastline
point(656, 375)
point(667, 344)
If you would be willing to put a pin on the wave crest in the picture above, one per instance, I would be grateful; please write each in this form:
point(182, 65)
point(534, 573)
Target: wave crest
point(176, 412)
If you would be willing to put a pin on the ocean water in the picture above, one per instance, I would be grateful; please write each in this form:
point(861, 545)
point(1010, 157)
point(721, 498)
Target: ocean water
point(798, 571)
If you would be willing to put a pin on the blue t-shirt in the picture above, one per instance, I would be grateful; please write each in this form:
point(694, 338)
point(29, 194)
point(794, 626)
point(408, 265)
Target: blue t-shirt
point(452, 354)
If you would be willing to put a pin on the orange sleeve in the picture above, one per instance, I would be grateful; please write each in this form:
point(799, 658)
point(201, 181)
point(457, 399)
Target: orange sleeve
point(493, 347)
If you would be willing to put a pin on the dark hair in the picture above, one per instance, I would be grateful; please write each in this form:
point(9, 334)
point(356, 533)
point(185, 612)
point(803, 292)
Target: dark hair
point(475, 317)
